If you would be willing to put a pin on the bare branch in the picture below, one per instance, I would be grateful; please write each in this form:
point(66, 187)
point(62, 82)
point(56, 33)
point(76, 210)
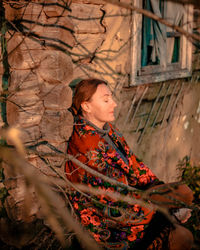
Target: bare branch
point(193, 2)
point(51, 202)
point(154, 17)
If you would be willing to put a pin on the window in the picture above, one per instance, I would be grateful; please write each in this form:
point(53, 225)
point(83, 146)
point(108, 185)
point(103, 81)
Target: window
point(158, 52)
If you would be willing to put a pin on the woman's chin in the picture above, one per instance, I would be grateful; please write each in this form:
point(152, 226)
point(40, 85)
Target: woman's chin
point(112, 118)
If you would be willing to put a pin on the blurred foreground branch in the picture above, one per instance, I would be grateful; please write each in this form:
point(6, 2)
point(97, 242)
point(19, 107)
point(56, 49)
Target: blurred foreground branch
point(54, 208)
point(52, 205)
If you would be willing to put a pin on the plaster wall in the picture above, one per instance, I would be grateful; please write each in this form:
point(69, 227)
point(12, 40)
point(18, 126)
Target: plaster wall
point(164, 146)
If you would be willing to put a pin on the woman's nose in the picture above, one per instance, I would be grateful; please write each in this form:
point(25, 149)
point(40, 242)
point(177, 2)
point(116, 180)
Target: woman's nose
point(114, 104)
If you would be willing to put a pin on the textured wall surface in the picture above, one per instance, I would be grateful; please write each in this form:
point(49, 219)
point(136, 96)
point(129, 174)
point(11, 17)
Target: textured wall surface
point(38, 98)
point(163, 130)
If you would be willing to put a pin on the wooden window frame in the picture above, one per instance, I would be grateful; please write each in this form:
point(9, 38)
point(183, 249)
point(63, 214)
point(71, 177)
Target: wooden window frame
point(155, 73)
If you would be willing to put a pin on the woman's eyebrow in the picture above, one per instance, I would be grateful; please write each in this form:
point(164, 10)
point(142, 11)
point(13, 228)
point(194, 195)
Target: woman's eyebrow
point(106, 95)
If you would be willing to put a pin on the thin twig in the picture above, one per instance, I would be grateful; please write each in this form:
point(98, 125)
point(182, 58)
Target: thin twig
point(155, 17)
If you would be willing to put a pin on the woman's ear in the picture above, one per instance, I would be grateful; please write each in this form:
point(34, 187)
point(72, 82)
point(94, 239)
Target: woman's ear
point(85, 107)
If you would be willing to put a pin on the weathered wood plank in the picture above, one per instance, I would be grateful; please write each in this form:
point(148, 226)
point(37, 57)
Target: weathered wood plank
point(26, 117)
point(57, 97)
point(56, 126)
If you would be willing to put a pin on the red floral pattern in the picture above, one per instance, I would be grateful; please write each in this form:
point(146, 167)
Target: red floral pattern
point(114, 224)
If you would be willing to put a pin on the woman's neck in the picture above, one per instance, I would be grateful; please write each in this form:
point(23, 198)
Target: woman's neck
point(96, 122)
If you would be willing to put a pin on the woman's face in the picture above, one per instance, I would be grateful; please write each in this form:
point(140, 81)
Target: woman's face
point(100, 109)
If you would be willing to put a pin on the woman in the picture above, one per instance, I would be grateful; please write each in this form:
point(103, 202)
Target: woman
point(96, 143)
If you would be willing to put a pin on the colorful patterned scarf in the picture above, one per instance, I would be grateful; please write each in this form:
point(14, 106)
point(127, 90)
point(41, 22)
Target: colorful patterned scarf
point(113, 223)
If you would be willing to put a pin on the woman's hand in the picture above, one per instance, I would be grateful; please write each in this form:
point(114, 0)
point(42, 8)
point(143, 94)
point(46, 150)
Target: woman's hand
point(171, 195)
point(183, 214)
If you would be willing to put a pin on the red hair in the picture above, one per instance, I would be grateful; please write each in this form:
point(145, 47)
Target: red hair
point(84, 92)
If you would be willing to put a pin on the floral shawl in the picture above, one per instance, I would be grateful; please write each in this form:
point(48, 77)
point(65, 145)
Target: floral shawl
point(114, 224)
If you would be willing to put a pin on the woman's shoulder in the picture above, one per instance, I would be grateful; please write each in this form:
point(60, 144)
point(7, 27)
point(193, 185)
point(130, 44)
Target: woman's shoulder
point(84, 135)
